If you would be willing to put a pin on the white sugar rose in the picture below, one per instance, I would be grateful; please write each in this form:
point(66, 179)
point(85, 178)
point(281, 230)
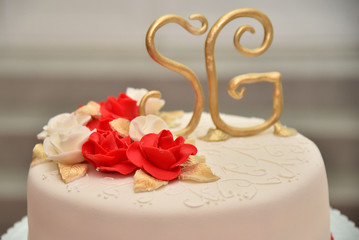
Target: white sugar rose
point(66, 147)
point(143, 125)
point(63, 122)
point(153, 105)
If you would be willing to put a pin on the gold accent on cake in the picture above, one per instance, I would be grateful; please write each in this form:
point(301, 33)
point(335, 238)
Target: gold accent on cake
point(171, 117)
point(195, 169)
point(283, 131)
point(178, 67)
point(142, 105)
point(38, 155)
point(272, 77)
point(199, 172)
point(193, 159)
point(214, 135)
point(146, 183)
point(91, 108)
point(121, 125)
point(71, 172)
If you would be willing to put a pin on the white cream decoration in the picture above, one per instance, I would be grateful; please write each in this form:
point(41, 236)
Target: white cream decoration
point(63, 122)
point(153, 105)
point(143, 125)
point(66, 147)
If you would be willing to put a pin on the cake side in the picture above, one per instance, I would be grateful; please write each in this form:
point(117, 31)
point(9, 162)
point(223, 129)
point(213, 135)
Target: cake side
point(266, 182)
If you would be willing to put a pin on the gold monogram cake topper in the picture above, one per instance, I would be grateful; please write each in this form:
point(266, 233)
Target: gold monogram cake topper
point(178, 67)
point(272, 77)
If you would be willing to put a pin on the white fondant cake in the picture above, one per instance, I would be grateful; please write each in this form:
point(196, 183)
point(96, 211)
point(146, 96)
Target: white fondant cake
point(270, 187)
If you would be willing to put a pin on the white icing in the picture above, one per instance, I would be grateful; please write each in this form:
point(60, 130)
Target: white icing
point(66, 146)
point(62, 123)
point(142, 125)
point(153, 105)
point(271, 188)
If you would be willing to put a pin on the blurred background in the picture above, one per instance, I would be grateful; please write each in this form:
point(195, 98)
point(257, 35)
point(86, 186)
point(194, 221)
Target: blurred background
point(56, 55)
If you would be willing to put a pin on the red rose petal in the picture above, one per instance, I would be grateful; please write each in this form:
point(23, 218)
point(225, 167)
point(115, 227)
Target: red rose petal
point(123, 168)
point(107, 151)
point(92, 124)
point(109, 142)
point(163, 159)
point(150, 139)
point(108, 159)
point(159, 155)
point(92, 146)
point(134, 154)
point(165, 140)
point(179, 140)
point(123, 106)
point(161, 174)
point(182, 152)
point(101, 125)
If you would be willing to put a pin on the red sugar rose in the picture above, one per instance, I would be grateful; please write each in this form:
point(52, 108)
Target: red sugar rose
point(112, 108)
point(122, 107)
point(160, 155)
point(101, 124)
point(106, 151)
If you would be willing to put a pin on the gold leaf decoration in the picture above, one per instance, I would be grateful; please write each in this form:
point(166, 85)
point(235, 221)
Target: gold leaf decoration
point(121, 125)
point(146, 183)
point(283, 131)
point(91, 108)
point(71, 172)
point(171, 117)
point(215, 135)
point(193, 159)
point(38, 155)
point(199, 172)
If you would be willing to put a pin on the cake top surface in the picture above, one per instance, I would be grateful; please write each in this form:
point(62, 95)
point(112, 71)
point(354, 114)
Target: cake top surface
point(249, 169)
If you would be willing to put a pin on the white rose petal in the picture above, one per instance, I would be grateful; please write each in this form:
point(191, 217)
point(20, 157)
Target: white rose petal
point(136, 93)
point(143, 125)
point(153, 105)
point(66, 147)
point(63, 122)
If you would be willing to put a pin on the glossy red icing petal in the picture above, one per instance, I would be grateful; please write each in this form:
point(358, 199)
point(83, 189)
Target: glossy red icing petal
point(163, 159)
point(161, 174)
point(135, 155)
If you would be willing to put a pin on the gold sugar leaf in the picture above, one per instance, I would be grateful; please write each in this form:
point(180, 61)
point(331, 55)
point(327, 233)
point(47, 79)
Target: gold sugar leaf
point(71, 172)
point(121, 125)
point(171, 117)
point(146, 183)
point(199, 172)
point(283, 131)
point(215, 135)
point(193, 159)
point(91, 108)
point(38, 155)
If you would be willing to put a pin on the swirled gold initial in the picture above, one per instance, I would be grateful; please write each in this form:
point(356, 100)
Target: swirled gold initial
point(150, 94)
point(273, 77)
point(178, 67)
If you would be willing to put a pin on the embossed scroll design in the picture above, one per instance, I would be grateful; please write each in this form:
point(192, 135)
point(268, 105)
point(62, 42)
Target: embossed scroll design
point(272, 77)
point(177, 67)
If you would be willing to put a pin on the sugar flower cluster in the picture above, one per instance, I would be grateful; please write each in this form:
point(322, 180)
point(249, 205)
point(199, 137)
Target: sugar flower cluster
point(111, 136)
